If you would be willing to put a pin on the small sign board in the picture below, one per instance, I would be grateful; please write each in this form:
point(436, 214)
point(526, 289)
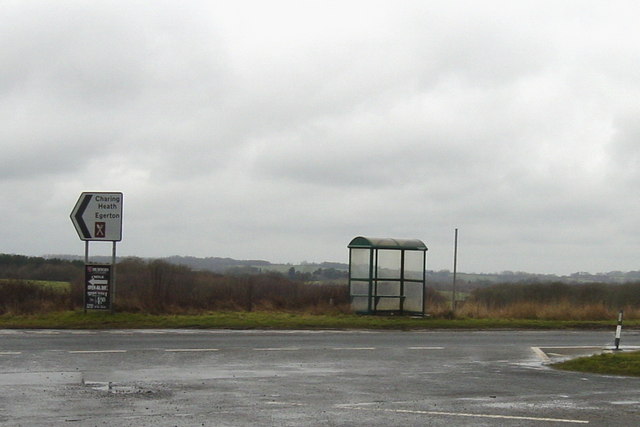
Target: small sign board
point(97, 287)
point(98, 216)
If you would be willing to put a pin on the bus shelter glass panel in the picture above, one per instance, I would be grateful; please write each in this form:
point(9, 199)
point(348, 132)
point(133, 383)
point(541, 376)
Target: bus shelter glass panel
point(360, 304)
point(389, 264)
point(360, 290)
point(360, 263)
point(387, 289)
point(388, 304)
point(387, 296)
point(413, 293)
point(414, 265)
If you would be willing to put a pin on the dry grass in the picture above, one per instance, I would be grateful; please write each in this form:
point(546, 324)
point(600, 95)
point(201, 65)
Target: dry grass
point(564, 310)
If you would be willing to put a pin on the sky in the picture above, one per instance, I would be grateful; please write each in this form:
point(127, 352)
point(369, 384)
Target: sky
point(281, 130)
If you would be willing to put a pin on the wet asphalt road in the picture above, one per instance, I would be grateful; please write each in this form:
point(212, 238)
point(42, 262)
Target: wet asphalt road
point(294, 378)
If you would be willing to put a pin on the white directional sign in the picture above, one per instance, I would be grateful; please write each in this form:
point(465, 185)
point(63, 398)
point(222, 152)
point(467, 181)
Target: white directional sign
point(98, 216)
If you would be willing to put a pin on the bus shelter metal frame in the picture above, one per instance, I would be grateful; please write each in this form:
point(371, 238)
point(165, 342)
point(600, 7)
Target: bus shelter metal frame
point(373, 280)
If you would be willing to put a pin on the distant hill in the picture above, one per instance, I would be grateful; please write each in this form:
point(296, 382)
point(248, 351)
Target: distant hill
point(219, 265)
point(438, 279)
point(468, 281)
point(225, 265)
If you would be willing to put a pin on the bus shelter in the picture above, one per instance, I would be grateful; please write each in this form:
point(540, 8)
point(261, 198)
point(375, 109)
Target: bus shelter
point(387, 276)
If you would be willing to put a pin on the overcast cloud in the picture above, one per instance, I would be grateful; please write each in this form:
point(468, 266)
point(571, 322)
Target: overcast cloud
point(280, 130)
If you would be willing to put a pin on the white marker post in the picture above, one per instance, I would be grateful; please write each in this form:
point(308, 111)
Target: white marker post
point(619, 330)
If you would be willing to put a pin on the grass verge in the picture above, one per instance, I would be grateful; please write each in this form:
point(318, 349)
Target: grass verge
point(277, 320)
point(610, 364)
point(53, 284)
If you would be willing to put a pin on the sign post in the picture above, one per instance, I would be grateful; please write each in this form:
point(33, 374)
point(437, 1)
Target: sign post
point(98, 217)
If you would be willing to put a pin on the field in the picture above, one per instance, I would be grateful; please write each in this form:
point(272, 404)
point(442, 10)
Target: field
point(52, 284)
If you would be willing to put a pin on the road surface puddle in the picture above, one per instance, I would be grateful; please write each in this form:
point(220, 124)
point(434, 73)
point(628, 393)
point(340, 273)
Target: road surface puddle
point(109, 387)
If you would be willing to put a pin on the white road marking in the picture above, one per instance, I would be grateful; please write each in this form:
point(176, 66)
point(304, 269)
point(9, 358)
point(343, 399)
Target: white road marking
point(541, 354)
point(572, 346)
point(286, 403)
point(176, 350)
point(353, 348)
point(468, 415)
point(276, 349)
point(6, 353)
point(96, 351)
point(626, 402)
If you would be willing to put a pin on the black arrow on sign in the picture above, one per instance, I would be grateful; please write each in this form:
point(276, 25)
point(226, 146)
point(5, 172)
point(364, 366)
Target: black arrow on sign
point(80, 212)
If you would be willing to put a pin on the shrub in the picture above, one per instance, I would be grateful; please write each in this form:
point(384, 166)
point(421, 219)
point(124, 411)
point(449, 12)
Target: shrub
point(22, 297)
point(160, 287)
point(554, 301)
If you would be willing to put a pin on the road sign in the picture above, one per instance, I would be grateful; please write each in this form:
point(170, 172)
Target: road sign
point(98, 216)
point(97, 295)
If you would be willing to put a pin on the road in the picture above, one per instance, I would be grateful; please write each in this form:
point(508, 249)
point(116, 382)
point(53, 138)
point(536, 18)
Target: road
point(294, 378)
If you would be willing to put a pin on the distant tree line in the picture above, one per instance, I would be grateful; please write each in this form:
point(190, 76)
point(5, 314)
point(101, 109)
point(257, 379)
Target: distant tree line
point(467, 282)
point(318, 275)
point(157, 286)
point(160, 287)
point(38, 268)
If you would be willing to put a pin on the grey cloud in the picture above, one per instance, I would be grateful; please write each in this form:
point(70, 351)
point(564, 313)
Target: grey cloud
point(295, 127)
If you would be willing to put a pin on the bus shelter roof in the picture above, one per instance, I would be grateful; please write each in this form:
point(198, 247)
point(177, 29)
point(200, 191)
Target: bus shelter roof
point(387, 243)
